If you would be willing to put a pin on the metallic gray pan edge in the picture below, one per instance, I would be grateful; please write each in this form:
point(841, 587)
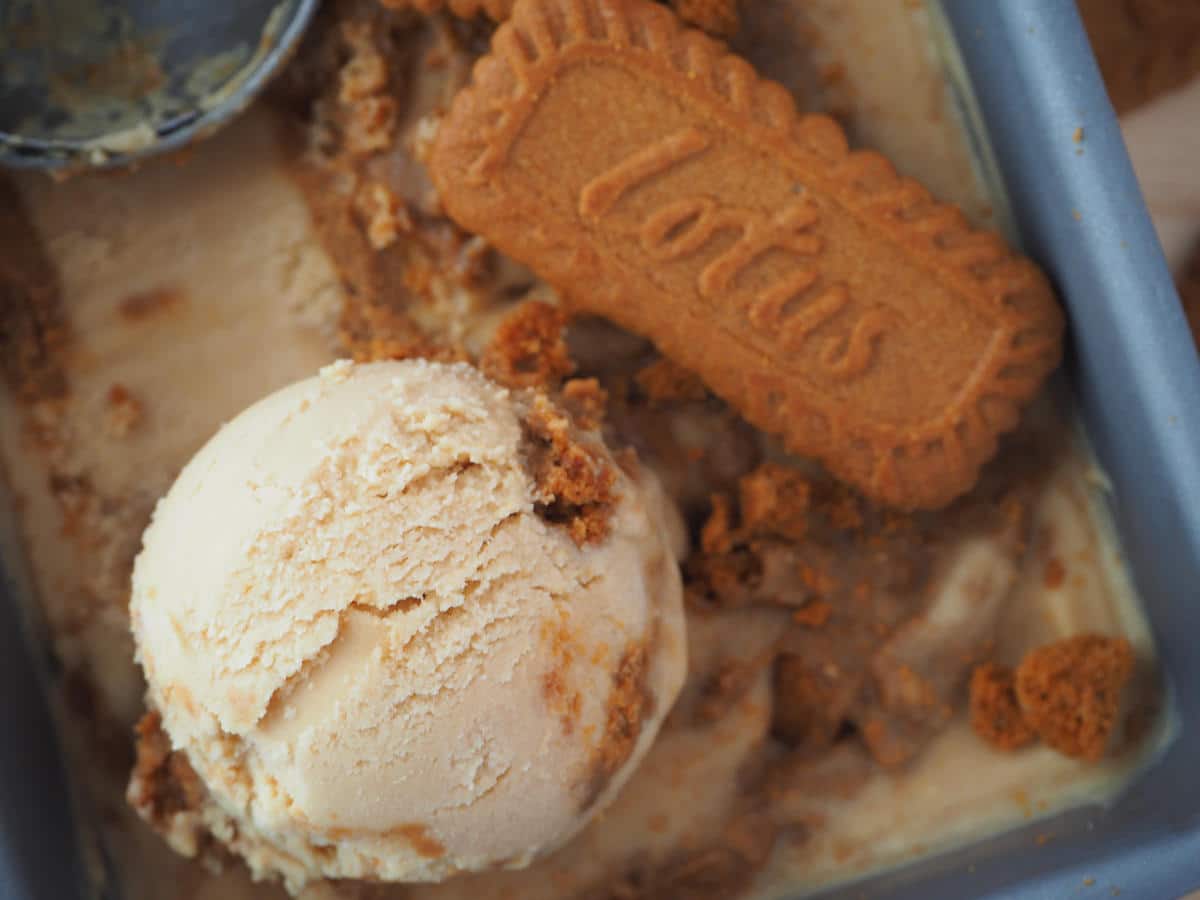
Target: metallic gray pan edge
point(40, 855)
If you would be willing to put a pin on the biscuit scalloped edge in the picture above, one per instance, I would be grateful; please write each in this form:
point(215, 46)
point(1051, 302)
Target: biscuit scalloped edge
point(496, 10)
point(906, 467)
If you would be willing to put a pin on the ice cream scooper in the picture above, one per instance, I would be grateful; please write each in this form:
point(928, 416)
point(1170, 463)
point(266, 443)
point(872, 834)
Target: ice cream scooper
point(101, 83)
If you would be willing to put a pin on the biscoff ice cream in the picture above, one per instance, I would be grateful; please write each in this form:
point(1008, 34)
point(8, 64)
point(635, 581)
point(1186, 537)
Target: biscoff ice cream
point(383, 657)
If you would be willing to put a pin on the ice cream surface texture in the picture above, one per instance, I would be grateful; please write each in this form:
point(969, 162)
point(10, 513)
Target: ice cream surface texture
point(380, 656)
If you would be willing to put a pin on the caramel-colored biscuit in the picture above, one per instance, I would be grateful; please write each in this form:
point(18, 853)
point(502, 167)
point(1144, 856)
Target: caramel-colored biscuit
point(719, 17)
point(497, 10)
point(655, 179)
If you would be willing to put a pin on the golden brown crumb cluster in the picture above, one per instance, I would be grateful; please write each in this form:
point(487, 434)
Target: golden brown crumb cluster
point(1070, 692)
point(163, 783)
point(854, 579)
point(754, 548)
point(995, 714)
point(575, 486)
point(1067, 693)
point(370, 333)
point(529, 348)
point(369, 108)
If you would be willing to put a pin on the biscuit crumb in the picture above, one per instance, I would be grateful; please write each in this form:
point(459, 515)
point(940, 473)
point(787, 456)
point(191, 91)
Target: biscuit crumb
point(995, 714)
point(717, 17)
point(368, 112)
point(370, 333)
point(384, 215)
point(529, 348)
point(629, 703)
point(586, 401)
point(665, 381)
point(776, 500)
point(575, 486)
point(124, 411)
point(163, 783)
point(1070, 691)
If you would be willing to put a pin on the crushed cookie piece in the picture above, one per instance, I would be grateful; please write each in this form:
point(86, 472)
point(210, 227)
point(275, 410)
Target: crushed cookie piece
point(1070, 691)
point(368, 113)
point(586, 401)
point(371, 125)
point(994, 711)
point(717, 17)
point(664, 381)
point(762, 556)
point(365, 74)
point(529, 348)
point(370, 333)
point(630, 702)
point(384, 215)
point(163, 783)
point(124, 412)
point(775, 500)
point(575, 485)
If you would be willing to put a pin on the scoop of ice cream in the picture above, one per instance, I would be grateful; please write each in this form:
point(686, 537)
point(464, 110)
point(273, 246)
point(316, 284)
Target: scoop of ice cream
point(381, 655)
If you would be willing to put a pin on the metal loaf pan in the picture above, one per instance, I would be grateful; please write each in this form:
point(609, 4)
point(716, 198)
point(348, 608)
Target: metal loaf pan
point(1027, 69)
